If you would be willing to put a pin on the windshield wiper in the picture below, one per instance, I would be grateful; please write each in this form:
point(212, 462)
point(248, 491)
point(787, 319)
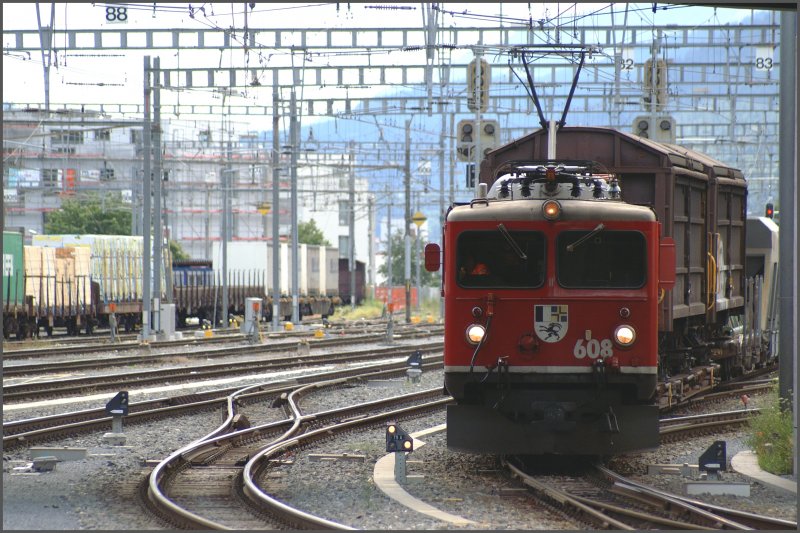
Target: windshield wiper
point(571, 247)
point(512, 242)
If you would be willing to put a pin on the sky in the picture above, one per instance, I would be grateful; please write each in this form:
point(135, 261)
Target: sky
point(116, 77)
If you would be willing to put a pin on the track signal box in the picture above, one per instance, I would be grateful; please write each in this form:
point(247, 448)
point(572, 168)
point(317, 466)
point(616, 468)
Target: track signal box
point(398, 440)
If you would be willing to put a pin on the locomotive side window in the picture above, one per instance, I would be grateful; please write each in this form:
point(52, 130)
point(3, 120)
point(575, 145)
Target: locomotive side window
point(487, 259)
point(606, 259)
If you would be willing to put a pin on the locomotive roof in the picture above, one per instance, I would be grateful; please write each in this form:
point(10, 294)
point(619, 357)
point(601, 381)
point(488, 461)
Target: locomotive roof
point(531, 209)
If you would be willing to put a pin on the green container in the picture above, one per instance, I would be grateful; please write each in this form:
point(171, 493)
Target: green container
point(13, 269)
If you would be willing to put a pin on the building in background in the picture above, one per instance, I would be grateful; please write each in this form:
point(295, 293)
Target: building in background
point(73, 154)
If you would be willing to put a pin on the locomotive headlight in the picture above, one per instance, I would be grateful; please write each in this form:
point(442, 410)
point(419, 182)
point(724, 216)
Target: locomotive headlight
point(625, 335)
point(551, 210)
point(475, 333)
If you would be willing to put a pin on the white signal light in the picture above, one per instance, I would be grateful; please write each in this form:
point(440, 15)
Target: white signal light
point(625, 335)
point(407, 445)
point(391, 429)
point(551, 210)
point(475, 333)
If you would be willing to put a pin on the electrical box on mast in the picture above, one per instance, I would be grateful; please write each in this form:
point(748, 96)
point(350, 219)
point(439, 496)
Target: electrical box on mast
point(483, 84)
point(663, 130)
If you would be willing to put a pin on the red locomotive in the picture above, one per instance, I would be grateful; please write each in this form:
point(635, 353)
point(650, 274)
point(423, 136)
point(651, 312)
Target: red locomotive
point(570, 287)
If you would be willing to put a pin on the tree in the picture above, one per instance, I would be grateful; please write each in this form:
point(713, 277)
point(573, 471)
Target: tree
point(177, 252)
point(309, 233)
point(90, 215)
point(427, 279)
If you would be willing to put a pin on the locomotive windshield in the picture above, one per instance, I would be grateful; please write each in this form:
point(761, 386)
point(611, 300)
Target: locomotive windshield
point(606, 259)
point(490, 259)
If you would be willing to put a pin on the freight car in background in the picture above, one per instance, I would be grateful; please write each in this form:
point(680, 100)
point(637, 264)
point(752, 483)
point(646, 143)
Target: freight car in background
point(73, 281)
point(323, 280)
point(249, 266)
point(69, 281)
point(345, 279)
point(114, 267)
point(17, 306)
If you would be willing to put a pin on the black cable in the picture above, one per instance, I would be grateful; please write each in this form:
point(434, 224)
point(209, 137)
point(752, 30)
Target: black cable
point(480, 344)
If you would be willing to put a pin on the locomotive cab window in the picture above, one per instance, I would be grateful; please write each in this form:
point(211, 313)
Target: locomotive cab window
point(601, 259)
point(500, 259)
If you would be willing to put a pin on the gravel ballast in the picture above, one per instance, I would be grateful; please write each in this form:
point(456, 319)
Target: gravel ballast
point(99, 492)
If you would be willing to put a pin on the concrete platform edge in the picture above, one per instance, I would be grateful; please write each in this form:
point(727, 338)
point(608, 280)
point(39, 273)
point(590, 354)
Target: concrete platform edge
point(746, 463)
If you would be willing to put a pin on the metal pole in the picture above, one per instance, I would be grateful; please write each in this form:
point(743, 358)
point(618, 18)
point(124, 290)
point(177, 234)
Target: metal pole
point(371, 237)
point(146, 221)
point(407, 223)
point(788, 259)
point(158, 238)
point(441, 192)
point(46, 39)
point(416, 262)
point(351, 252)
point(452, 159)
point(654, 86)
point(168, 296)
point(208, 221)
point(226, 176)
point(478, 94)
point(276, 236)
point(293, 132)
point(389, 274)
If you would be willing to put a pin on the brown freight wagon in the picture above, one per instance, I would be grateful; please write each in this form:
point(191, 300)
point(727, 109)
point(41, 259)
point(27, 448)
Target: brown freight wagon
point(700, 202)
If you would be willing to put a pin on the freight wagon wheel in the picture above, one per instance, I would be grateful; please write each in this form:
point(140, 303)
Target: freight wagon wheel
point(22, 329)
point(9, 327)
point(44, 323)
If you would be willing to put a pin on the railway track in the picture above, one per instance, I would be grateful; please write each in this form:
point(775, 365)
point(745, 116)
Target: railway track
point(94, 384)
point(684, 426)
point(374, 330)
point(102, 335)
point(599, 498)
point(233, 467)
point(22, 433)
point(53, 367)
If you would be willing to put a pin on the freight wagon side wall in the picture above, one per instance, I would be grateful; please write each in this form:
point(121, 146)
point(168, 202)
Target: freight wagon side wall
point(315, 269)
point(332, 271)
point(13, 270)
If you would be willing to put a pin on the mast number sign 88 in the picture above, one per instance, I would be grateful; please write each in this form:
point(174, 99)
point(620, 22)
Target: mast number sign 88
point(116, 14)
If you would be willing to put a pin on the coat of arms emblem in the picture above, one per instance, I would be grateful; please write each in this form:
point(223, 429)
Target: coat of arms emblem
point(551, 322)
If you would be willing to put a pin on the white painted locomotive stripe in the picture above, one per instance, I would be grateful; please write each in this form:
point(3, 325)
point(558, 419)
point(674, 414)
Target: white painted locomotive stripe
point(383, 474)
point(554, 369)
